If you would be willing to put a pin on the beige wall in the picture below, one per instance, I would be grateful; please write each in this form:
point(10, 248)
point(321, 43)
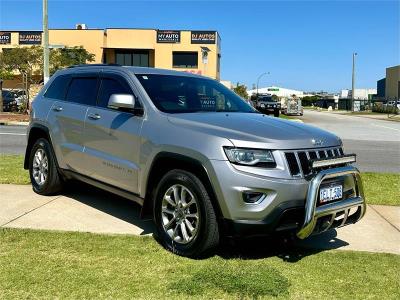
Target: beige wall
point(130, 38)
point(91, 39)
point(392, 83)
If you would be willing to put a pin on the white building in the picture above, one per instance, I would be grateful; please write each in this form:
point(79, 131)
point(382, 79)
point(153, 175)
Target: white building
point(359, 94)
point(227, 83)
point(279, 91)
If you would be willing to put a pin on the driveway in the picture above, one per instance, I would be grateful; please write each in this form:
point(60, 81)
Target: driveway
point(88, 209)
point(376, 142)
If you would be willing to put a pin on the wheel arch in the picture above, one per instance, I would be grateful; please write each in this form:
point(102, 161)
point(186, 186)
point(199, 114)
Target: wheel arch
point(36, 132)
point(166, 161)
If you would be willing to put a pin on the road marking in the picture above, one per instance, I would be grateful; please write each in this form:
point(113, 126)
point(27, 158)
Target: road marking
point(11, 133)
point(386, 127)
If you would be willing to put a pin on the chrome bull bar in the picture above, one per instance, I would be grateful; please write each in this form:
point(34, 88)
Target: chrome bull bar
point(313, 213)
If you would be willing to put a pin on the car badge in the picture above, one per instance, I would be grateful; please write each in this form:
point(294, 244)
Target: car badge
point(317, 142)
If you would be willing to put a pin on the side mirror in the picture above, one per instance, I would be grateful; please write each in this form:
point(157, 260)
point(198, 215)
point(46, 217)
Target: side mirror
point(121, 101)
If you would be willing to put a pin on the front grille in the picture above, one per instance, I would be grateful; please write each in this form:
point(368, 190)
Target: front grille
point(299, 161)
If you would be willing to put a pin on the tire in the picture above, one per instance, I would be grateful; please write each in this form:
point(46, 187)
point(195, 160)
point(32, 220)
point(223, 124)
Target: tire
point(51, 183)
point(276, 113)
point(205, 235)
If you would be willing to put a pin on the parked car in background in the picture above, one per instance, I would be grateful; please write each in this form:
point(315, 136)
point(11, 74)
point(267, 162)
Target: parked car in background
point(199, 159)
point(20, 96)
point(393, 104)
point(9, 101)
point(292, 107)
point(267, 105)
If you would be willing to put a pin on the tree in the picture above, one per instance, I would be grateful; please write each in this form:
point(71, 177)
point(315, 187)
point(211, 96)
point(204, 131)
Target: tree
point(28, 61)
point(62, 58)
point(25, 60)
point(241, 90)
point(309, 100)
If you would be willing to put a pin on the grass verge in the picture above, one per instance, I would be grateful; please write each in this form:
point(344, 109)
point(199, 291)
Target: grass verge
point(40, 264)
point(380, 188)
point(12, 170)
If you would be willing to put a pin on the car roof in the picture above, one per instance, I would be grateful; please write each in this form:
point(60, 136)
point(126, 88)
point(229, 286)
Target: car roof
point(134, 70)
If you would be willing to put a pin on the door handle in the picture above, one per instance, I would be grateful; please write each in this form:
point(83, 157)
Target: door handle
point(57, 108)
point(94, 116)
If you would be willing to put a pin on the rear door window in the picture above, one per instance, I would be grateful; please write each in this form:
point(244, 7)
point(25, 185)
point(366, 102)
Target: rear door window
point(83, 90)
point(58, 88)
point(111, 85)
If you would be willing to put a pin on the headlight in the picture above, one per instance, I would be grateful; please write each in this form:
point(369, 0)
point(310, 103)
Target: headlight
point(250, 157)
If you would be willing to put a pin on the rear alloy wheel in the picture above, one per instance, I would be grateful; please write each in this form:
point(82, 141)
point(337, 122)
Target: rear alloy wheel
point(40, 167)
point(43, 169)
point(184, 216)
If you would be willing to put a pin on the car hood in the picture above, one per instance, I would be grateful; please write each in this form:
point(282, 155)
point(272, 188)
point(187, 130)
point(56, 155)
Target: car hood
point(256, 130)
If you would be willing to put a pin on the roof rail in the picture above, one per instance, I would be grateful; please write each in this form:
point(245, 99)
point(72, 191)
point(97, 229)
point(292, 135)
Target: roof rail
point(95, 65)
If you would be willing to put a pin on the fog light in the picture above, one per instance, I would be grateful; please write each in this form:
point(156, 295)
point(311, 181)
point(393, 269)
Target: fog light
point(253, 197)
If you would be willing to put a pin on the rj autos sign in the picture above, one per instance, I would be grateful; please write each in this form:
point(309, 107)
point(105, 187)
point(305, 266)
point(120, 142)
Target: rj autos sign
point(168, 36)
point(5, 38)
point(203, 37)
point(30, 38)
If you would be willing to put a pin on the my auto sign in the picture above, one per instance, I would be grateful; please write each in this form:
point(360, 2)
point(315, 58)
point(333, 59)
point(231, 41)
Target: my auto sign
point(168, 36)
point(30, 38)
point(5, 38)
point(203, 37)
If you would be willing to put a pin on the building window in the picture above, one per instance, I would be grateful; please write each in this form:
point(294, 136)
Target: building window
point(137, 58)
point(185, 59)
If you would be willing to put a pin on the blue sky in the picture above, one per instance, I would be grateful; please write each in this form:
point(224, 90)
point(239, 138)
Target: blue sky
point(304, 45)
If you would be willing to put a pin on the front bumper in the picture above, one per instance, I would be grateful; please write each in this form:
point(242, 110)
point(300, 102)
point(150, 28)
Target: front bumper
point(336, 214)
point(291, 205)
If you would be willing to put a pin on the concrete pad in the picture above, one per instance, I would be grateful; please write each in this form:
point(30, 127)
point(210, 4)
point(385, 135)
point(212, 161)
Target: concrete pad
point(390, 213)
point(17, 200)
point(373, 233)
point(87, 211)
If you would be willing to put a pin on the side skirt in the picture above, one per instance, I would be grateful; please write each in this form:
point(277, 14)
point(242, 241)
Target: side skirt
point(103, 186)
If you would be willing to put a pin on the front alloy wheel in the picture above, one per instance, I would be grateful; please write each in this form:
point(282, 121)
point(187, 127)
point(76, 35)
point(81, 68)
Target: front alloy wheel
point(183, 214)
point(180, 214)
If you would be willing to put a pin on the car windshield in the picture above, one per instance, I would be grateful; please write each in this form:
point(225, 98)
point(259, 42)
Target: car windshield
point(267, 99)
point(184, 94)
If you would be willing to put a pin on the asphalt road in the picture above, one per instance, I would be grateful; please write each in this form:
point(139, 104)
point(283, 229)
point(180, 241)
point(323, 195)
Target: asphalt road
point(12, 139)
point(376, 142)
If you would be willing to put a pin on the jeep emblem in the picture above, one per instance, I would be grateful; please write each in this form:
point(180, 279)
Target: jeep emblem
point(317, 142)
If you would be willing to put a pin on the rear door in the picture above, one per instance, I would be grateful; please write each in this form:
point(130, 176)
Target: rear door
point(112, 137)
point(67, 117)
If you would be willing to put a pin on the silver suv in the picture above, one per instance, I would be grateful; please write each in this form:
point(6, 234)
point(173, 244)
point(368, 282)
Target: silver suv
point(198, 158)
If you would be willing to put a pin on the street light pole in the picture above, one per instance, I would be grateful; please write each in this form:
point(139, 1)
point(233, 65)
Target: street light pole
point(258, 79)
point(353, 81)
point(45, 43)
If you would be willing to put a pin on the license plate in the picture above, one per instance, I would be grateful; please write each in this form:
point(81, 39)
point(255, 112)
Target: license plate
point(262, 105)
point(330, 193)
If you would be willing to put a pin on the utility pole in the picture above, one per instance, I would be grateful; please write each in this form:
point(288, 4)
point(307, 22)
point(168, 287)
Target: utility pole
point(46, 74)
point(258, 79)
point(353, 81)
